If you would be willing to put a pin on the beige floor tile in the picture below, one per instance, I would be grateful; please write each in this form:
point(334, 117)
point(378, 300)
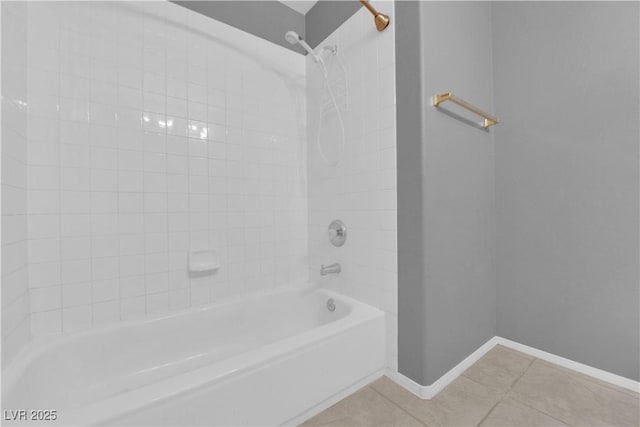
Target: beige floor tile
point(393, 391)
point(499, 368)
point(595, 380)
point(511, 413)
point(365, 407)
point(464, 402)
point(574, 399)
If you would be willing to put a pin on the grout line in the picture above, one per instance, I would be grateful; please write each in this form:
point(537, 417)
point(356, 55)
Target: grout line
point(92, 236)
point(116, 171)
point(506, 392)
point(490, 411)
point(165, 153)
point(593, 380)
point(396, 405)
point(511, 396)
point(538, 410)
point(522, 374)
point(562, 369)
point(59, 189)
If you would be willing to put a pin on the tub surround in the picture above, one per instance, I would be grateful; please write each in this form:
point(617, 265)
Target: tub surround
point(15, 284)
point(360, 190)
point(153, 132)
point(169, 138)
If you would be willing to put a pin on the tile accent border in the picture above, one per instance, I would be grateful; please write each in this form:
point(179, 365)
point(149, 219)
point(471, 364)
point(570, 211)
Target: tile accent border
point(430, 391)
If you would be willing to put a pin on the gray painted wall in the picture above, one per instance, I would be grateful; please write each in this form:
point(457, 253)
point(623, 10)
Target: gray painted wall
point(450, 310)
point(268, 19)
point(567, 179)
point(271, 19)
point(409, 113)
point(326, 16)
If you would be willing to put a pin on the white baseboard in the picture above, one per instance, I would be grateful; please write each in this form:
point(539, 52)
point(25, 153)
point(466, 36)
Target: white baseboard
point(299, 419)
point(430, 391)
point(599, 374)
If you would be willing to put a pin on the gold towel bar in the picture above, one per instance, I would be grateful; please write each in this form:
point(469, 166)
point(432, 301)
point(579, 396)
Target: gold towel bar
point(489, 120)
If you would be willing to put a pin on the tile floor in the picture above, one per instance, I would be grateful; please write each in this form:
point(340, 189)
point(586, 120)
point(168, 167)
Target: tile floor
point(504, 388)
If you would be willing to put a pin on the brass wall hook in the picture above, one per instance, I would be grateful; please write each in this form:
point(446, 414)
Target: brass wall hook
point(381, 20)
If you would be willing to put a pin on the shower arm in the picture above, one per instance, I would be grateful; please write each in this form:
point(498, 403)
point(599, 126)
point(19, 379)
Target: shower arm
point(381, 20)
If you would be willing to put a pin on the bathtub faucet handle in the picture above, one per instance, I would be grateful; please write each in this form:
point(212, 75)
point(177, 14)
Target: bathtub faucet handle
point(330, 269)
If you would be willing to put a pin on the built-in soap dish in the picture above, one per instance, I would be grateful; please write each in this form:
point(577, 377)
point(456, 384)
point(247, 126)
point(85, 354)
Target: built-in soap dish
point(204, 261)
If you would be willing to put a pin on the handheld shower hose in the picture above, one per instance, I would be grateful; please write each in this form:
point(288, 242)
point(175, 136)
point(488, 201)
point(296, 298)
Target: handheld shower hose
point(293, 38)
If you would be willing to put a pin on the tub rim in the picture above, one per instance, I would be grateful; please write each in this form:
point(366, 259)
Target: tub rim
point(41, 344)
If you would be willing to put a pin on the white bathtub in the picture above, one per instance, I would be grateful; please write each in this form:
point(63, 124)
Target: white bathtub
point(267, 359)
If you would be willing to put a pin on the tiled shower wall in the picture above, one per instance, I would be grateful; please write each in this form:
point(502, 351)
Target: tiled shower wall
point(153, 131)
point(357, 183)
point(15, 291)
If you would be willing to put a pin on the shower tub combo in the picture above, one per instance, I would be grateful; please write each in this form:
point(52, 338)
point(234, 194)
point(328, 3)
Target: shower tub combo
point(269, 359)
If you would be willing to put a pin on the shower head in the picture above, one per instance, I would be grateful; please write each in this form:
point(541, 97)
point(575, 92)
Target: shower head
point(381, 20)
point(294, 38)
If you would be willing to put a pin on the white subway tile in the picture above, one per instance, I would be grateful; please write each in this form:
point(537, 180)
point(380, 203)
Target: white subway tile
point(131, 286)
point(132, 308)
point(39, 201)
point(178, 145)
point(105, 313)
point(157, 303)
point(76, 294)
point(44, 250)
point(155, 182)
point(39, 177)
point(155, 223)
point(43, 154)
point(75, 225)
point(159, 151)
point(104, 246)
point(104, 202)
point(75, 271)
point(74, 202)
point(76, 318)
point(46, 323)
point(40, 226)
point(44, 274)
point(73, 248)
point(104, 268)
point(45, 299)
